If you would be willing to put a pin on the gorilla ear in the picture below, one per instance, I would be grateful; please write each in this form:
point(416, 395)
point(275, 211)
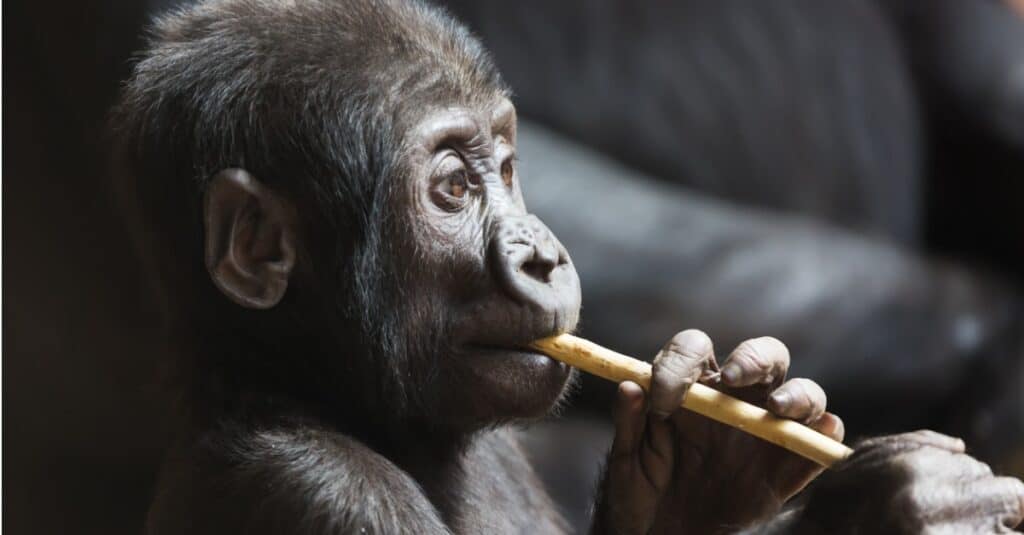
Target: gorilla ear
point(250, 234)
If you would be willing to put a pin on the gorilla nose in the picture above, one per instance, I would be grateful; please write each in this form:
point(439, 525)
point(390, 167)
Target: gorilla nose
point(545, 257)
point(530, 260)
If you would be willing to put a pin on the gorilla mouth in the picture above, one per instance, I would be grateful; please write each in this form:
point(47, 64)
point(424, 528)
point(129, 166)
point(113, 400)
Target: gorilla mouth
point(514, 381)
point(511, 348)
point(521, 353)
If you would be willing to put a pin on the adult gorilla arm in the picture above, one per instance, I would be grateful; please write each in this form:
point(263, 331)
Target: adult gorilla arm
point(973, 53)
point(857, 313)
point(920, 482)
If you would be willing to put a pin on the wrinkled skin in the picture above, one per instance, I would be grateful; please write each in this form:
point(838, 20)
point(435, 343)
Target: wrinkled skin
point(931, 486)
point(503, 279)
point(673, 471)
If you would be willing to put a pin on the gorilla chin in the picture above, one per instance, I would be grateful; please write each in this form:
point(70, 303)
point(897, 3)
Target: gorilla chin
point(516, 382)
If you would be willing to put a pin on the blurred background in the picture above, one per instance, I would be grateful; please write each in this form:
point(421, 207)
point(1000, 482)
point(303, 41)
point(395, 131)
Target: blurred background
point(847, 176)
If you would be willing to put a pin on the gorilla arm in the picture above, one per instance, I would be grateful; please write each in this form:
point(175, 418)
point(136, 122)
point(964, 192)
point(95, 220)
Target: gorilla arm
point(302, 481)
point(903, 484)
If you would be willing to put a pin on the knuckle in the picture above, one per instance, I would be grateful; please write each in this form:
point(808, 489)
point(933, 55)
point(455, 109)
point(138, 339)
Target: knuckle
point(673, 363)
point(671, 374)
point(1017, 487)
point(773, 346)
point(691, 343)
point(977, 467)
point(751, 355)
point(810, 392)
point(1001, 497)
point(929, 436)
point(924, 462)
point(905, 463)
point(804, 386)
point(797, 391)
point(1012, 490)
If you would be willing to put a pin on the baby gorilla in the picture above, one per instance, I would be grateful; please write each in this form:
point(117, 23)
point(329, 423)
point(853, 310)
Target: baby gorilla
point(328, 193)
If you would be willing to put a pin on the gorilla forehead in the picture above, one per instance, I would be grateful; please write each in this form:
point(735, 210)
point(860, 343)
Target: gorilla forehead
point(380, 50)
point(248, 80)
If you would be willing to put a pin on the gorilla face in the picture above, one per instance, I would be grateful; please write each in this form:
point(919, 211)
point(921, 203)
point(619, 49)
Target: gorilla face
point(493, 271)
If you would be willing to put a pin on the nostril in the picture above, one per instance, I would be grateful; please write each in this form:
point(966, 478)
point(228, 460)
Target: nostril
point(538, 269)
point(544, 260)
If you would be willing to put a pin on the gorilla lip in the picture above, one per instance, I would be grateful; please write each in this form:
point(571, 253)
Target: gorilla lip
point(522, 352)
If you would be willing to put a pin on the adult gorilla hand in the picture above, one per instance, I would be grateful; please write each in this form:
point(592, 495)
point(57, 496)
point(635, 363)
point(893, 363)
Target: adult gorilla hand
point(920, 482)
point(675, 471)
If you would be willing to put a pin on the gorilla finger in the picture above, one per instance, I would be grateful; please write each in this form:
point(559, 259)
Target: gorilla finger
point(629, 419)
point(912, 440)
point(678, 365)
point(793, 472)
point(657, 453)
point(922, 458)
point(1014, 515)
point(830, 425)
point(943, 465)
point(1001, 497)
point(798, 399)
point(758, 360)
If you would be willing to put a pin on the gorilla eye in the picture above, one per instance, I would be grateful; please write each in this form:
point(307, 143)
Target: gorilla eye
point(452, 183)
point(456, 184)
point(507, 172)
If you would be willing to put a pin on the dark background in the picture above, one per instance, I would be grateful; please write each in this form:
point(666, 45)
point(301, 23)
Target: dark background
point(81, 339)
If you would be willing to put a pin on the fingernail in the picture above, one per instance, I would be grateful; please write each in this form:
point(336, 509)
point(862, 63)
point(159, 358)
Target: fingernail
point(732, 373)
point(662, 415)
point(781, 399)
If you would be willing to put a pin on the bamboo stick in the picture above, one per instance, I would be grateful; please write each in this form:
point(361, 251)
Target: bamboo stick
point(701, 399)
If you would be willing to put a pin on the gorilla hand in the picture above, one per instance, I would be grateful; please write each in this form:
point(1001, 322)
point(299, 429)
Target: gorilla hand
point(912, 483)
point(675, 471)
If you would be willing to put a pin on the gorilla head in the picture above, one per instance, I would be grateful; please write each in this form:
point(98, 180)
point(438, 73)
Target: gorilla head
point(330, 194)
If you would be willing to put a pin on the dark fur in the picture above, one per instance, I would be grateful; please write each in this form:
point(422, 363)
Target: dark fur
point(281, 90)
point(295, 416)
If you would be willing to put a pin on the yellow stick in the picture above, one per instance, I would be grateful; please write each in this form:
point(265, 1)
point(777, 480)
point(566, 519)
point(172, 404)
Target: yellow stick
point(701, 399)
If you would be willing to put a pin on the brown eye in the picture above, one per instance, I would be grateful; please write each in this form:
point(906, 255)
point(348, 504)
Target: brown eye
point(457, 184)
point(507, 172)
point(451, 182)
